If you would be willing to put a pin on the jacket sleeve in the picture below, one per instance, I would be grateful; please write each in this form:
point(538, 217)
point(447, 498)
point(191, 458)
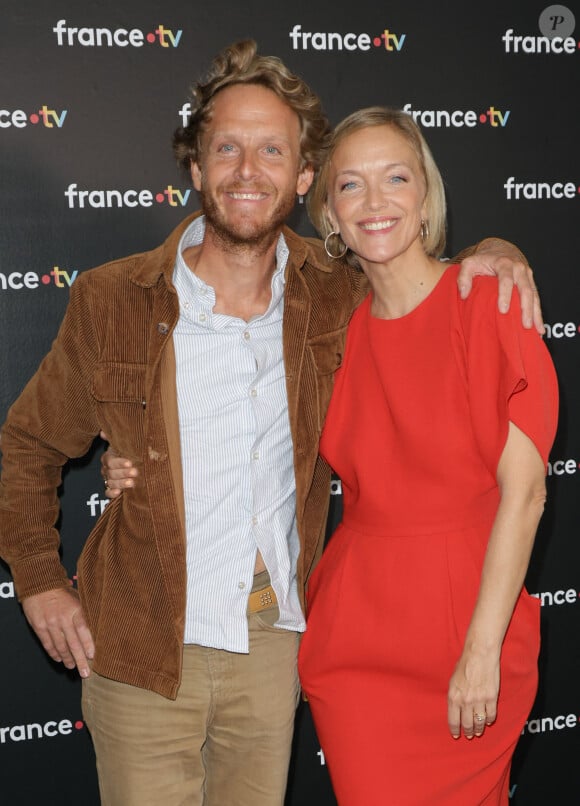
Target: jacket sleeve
point(54, 419)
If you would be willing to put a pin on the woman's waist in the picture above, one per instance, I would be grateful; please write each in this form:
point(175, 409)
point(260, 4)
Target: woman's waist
point(417, 521)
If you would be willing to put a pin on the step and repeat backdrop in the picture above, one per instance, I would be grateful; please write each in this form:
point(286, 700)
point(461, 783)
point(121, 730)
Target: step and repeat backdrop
point(90, 94)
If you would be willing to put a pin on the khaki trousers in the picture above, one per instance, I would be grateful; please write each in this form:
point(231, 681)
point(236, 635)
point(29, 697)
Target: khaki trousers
point(226, 739)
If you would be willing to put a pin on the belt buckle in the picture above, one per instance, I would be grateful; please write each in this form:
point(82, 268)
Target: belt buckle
point(262, 599)
point(265, 597)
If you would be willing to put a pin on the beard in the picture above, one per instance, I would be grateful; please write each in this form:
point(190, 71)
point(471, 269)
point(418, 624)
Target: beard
point(250, 232)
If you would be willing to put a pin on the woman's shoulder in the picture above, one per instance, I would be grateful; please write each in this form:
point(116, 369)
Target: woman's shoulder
point(482, 301)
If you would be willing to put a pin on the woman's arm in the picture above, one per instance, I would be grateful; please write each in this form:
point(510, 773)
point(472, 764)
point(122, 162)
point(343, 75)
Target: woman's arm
point(474, 685)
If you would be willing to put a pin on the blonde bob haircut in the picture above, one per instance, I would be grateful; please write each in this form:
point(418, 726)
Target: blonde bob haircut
point(317, 199)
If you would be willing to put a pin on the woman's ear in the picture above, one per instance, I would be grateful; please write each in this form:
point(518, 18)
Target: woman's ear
point(330, 218)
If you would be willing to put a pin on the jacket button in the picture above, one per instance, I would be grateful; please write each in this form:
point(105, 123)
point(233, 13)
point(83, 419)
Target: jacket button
point(163, 328)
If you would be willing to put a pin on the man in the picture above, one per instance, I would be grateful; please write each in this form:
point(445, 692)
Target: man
point(209, 363)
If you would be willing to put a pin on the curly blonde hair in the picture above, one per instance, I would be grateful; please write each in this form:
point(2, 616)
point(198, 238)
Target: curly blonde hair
point(240, 64)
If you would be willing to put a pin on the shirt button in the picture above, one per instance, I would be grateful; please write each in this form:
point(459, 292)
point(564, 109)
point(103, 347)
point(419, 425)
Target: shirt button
point(247, 335)
point(256, 455)
point(202, 317)
point(254, 392)
point(254, 521)
point(241, 585)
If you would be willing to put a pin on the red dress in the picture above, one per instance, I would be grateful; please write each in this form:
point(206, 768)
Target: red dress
point(415, 429)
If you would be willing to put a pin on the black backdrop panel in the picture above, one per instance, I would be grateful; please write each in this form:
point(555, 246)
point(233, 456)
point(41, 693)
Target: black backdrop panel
point(86, 119)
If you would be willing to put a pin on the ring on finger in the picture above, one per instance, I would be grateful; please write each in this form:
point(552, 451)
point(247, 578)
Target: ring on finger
point(479, 717)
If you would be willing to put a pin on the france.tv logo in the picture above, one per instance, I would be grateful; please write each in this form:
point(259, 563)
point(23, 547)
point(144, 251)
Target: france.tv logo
point(31, 280)
point(47, 117)
point(326, 40)
point(557, 25)
point(68, 36)
point(80, 198)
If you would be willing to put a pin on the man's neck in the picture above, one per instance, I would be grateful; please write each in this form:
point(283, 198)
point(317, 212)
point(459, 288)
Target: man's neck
point(241, 275)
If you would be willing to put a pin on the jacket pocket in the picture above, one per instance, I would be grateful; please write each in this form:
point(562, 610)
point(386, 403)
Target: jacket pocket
point(326, 352)
point(119, 383)
point(118, 390)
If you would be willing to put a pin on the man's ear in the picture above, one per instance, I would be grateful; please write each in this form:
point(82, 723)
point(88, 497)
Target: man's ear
point(196, 175)
point(305, 178)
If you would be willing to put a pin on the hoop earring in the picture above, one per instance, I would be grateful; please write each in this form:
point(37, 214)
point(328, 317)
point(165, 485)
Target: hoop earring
point(327, 250)
point(424, 230)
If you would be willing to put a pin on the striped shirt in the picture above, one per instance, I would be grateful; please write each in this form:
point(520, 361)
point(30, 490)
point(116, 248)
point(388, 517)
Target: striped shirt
point(237, 456)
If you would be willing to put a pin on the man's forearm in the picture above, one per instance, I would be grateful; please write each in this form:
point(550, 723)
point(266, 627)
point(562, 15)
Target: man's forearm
point(492, 246)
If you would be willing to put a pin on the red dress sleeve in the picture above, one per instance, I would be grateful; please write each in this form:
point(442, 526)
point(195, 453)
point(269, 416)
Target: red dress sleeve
point(510, 375)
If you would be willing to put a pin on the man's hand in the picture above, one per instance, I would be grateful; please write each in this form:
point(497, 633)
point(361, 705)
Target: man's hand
point(118, 473)
point(57, 618)
point(494, 256)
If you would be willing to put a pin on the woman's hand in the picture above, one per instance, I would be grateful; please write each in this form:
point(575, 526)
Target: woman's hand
point(118, 473)
point(473, 693)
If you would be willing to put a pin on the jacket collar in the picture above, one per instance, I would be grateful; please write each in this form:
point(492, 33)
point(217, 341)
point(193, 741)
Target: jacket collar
point(150, 266)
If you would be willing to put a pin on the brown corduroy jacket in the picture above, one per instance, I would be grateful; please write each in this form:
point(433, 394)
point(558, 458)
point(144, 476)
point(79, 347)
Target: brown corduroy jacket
point(112, 367)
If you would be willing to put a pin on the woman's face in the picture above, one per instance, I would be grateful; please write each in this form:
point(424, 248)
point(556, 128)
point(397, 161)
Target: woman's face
point(376, 193)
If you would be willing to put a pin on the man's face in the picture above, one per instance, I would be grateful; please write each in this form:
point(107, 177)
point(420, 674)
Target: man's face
point(248, 171)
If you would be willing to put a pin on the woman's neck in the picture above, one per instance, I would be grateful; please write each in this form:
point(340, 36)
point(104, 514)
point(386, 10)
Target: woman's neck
point(401, 284)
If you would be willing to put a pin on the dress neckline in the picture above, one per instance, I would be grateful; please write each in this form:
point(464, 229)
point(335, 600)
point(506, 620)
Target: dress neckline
point(416, 311)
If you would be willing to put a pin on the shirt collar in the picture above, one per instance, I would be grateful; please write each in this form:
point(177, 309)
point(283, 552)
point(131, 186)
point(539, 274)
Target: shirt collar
point(194, 235)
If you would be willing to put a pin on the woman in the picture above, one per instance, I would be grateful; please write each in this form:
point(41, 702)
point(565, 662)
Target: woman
point(420, 635)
